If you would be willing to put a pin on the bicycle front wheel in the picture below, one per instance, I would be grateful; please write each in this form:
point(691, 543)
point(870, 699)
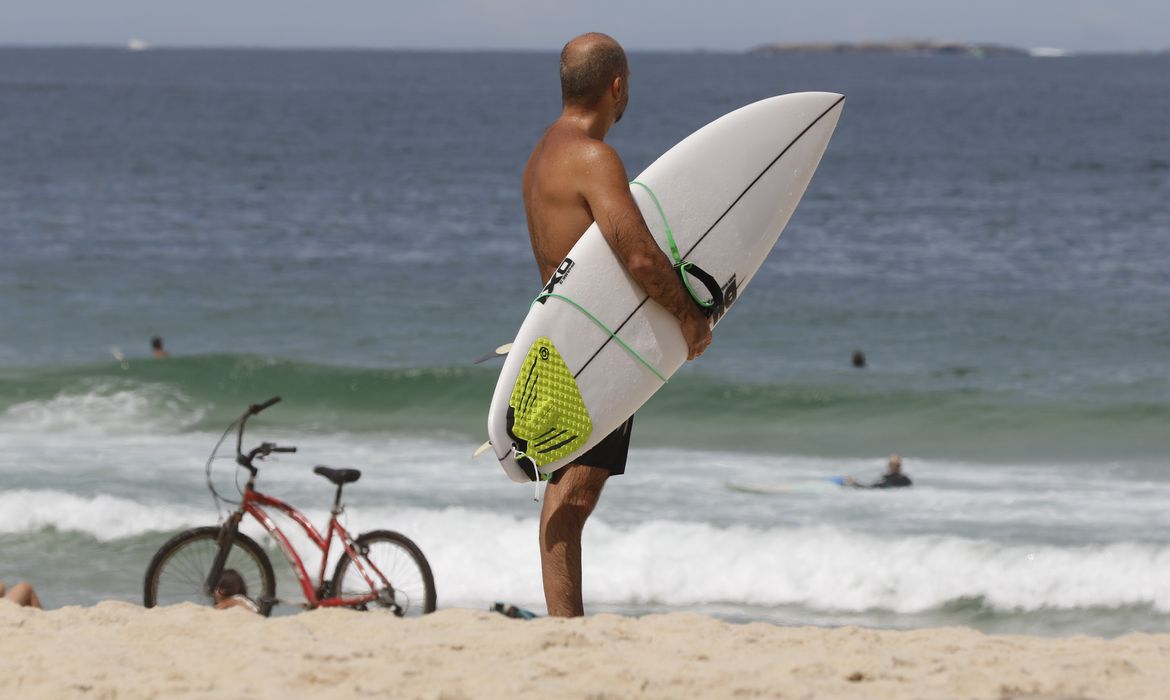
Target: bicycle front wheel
point(178, 572)
point(402, 577)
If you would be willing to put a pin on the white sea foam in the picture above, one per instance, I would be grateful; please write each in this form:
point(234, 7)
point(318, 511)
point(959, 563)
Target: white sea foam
point(823, 568)
point(103, 516)
point(836, 570)
point(478, 556)
point(104, 407)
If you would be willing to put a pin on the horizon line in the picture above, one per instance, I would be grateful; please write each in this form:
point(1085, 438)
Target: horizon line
point(150, 46)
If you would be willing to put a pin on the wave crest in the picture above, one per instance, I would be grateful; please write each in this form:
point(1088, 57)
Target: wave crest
point(478, 555)
point(104, 407)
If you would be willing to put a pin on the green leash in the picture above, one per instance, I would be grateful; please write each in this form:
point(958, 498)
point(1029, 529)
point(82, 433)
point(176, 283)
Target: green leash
point(602, 326)
point(683, 267)
point(666, 224)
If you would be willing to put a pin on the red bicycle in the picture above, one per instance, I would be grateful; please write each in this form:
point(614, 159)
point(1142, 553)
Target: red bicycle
point(380, 569)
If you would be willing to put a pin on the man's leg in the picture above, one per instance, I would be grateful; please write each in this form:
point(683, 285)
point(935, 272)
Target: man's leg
point(568, 501)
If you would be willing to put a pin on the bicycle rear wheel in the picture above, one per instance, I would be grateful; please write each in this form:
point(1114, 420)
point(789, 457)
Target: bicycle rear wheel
point(406, 586)
point(178, 572)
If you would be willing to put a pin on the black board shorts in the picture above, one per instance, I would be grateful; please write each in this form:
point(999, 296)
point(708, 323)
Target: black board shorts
point(609, 454)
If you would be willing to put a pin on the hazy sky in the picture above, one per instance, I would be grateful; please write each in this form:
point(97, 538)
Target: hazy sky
point(1090, 25)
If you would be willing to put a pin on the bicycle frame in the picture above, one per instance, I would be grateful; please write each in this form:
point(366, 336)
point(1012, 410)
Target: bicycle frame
point(253, 505)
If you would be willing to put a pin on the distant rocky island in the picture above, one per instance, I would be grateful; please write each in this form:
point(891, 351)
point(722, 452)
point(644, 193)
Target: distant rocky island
point(905, 48)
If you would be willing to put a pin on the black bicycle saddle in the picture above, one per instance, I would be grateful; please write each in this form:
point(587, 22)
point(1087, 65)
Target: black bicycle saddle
point(338, 476)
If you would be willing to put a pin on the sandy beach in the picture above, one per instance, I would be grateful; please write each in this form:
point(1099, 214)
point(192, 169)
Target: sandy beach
point(124, 651)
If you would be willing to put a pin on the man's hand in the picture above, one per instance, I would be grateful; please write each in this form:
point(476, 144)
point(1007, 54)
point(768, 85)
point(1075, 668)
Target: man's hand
point(696, 331)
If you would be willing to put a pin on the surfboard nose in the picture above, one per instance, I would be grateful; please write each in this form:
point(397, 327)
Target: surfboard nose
point(825, 124)
point(817, 110)
point(836, 104)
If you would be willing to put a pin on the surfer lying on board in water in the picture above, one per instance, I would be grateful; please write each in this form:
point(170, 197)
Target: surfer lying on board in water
point(892, 479)
point(572, 179)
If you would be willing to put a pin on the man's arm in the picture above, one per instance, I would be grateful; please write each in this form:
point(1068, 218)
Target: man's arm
point(607, 192)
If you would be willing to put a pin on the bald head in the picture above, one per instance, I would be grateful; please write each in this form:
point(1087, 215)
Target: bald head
point(589, 63)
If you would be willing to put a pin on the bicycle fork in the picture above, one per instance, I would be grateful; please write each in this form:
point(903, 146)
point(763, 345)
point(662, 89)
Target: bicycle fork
point(227, 535)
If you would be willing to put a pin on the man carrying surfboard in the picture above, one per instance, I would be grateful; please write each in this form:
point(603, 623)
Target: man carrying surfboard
point(572, 179)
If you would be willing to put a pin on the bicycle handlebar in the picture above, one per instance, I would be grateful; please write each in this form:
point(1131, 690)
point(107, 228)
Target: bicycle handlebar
point(263, 450)
point(267, 448)
point(258, 407)
point(244, 460)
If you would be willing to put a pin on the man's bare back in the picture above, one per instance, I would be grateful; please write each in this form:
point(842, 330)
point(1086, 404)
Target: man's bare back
point(558, 211)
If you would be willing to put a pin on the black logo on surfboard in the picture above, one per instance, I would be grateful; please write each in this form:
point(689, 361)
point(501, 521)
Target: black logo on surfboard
point(557, 277)
point(730, 294)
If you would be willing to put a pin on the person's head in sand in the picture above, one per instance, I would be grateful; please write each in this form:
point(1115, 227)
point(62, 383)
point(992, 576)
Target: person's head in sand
point(595, 76)
point(894, 466)
point(156, 347)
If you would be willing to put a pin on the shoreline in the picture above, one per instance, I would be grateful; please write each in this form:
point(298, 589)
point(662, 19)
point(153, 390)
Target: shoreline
point(120, 649)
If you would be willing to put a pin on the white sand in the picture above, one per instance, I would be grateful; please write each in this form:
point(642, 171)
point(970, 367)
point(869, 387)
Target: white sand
point(117, 650)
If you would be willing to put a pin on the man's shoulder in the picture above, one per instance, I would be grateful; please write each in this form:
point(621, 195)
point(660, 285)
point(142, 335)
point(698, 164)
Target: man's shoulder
point(578, 146)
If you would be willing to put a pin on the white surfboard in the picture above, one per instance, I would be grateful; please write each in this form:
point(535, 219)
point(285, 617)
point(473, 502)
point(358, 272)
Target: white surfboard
point(594, 347)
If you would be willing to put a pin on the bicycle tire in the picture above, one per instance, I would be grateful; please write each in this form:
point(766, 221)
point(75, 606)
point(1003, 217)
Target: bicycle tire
point(178, 571)
point(412, 585)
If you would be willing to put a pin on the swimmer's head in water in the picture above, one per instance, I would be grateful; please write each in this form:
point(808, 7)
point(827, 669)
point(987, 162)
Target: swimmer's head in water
point(895, 464)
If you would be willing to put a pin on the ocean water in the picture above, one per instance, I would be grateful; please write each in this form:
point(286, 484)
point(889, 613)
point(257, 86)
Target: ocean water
point(345, 229)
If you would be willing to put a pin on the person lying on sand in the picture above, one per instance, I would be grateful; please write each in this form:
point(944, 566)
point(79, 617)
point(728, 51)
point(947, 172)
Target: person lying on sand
point(232, 592)
point(892, 479)
point(21, 594)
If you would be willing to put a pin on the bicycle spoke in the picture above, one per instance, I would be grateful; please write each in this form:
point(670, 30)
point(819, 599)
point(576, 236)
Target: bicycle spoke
point(179, 572)
point(402, 578)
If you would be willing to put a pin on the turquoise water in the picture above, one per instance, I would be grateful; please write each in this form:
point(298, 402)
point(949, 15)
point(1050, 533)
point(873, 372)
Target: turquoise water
point(345, 229)
point(847, 413)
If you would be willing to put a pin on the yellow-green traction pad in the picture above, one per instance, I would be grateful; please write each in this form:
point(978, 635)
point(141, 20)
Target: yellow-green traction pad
point(550, 415)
